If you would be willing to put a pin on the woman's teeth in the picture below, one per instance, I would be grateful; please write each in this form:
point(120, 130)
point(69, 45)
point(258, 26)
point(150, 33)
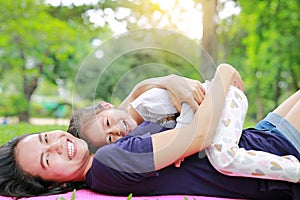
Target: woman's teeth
point(70, 150)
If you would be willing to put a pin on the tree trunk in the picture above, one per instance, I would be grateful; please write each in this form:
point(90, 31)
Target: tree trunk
point(24, 116)
point(209, 40)
point(29, 87)
point(30, 83)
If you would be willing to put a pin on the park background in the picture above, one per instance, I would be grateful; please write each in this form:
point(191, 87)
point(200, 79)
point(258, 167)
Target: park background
point(43, 44)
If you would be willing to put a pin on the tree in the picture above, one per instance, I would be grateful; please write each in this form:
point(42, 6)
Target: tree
point(34, 44)
point(151, 14)
point(261, 41)
point(264, 43)
point(209, 40)
point(113, 68)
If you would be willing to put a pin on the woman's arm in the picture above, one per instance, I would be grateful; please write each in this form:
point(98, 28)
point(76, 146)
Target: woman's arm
point(175, 144)
point(181, 90)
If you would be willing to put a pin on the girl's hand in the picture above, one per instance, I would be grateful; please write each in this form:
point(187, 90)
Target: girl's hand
point(178, 163)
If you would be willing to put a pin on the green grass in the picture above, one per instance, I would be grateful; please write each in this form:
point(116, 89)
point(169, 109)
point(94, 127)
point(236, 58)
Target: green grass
point(10, 131)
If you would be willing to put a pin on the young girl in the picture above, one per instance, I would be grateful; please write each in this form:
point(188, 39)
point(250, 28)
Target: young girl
point(102, 124)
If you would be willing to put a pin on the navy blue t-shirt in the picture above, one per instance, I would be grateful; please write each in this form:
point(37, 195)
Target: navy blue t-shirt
point(127, 167)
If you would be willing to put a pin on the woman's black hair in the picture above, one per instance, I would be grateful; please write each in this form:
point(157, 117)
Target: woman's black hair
point(16, 183)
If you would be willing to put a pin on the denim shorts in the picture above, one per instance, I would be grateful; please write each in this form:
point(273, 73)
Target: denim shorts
point(278, 125)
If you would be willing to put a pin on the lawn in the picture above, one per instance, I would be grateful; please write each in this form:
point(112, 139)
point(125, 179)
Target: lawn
point(9, 131)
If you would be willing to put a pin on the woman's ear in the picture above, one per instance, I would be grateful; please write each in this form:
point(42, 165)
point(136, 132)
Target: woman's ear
point(106, 104)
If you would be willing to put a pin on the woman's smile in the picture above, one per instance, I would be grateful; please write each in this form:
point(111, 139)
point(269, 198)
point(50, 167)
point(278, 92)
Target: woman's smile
point(55, 156)
point(71, 149)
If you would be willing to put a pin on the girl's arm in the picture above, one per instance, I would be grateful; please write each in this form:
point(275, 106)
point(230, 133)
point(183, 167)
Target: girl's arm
point(181, 90)
point(229, 159)
point(175, 144)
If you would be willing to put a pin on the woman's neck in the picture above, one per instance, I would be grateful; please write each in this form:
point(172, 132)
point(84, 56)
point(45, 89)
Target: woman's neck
point(87, 167)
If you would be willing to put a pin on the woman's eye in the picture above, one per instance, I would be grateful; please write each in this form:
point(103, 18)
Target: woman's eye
point(46, 138)
point(47, 159)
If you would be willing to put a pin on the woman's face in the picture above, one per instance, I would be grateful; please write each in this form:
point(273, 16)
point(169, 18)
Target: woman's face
point(54, 156)
point(109, 126)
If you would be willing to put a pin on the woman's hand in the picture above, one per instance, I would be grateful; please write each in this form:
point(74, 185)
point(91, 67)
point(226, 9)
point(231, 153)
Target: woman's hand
point(237, 80)
point(230, 74)
point(184, 90)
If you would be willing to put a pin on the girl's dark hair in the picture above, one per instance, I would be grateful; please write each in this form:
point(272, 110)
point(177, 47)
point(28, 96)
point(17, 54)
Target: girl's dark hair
point(16, 183)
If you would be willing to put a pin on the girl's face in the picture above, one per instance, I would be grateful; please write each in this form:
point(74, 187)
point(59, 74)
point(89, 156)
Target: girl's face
point(54, 156)
point(109, 126)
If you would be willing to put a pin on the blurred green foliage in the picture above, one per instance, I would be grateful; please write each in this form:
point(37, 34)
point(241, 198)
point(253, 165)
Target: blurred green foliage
point(262, 43)
point(133, 57)
point(35, 45)
point(12, 104)
point(45, 45)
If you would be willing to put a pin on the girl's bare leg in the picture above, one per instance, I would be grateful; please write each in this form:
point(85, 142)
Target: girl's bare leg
point(287, 119)
point(285, 107)
point(293, 116)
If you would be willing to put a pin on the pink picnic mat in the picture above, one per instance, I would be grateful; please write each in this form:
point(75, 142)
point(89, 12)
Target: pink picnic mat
point(89, 195)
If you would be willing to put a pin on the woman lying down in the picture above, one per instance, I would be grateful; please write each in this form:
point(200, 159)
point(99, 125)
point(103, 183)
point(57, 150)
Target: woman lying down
point(142, 163)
